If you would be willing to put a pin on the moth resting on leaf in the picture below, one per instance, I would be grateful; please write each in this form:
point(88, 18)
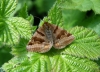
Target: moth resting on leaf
point(49, 35)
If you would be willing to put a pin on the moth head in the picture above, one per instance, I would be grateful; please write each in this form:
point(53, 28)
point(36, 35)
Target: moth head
point(46, 25)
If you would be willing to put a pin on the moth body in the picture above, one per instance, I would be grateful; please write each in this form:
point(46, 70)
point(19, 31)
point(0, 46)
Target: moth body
point(48, 32)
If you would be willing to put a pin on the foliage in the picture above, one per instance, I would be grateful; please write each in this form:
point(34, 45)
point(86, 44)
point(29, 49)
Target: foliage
point(80, 56)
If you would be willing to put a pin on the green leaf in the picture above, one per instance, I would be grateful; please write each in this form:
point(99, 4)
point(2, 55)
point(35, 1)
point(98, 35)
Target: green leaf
point(30, 19)
point(68, 63)
point(20, 63)
point(77, 57)
point(66, 18)
point(13, 28)
point(82, 5)
point(86, 43)
point(92, 22)
point(97, 29)
point(72, 18)
point(23, 12)
point(14, 62)
point(35, 62)
point(4, 54)
point(7, 7)
point(55, 14)
point(20, 48)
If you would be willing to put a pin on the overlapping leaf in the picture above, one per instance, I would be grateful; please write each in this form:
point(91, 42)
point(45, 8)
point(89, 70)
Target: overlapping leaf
point(13, 28)
point(82, 5)
point(74, 58)
point(92, 22)
point(20, 48)
point(86, 43)
point(7, 7)
point(97, 29)
point(68, 63)
point(4, 51)
point(23, 13)
point(35, 62)
point(72, 18)
point(55, 14)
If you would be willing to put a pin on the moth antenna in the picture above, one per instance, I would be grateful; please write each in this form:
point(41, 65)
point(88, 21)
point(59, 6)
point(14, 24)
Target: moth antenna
point(41, 22)
point(36, 20)
point(47, 19)
point(38, 17)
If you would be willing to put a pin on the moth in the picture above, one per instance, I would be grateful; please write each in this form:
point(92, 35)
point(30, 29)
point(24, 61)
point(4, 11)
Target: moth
point(49, 35)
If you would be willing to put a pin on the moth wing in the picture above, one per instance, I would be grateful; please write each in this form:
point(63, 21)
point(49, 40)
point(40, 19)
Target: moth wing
point(62, 38)
point(39, 42)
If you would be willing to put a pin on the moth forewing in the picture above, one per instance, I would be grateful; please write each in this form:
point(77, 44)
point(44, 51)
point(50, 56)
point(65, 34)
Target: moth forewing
point(39, 42)
point(63, 38)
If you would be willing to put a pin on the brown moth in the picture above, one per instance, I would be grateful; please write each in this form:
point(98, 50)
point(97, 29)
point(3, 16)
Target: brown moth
point(49, 35)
